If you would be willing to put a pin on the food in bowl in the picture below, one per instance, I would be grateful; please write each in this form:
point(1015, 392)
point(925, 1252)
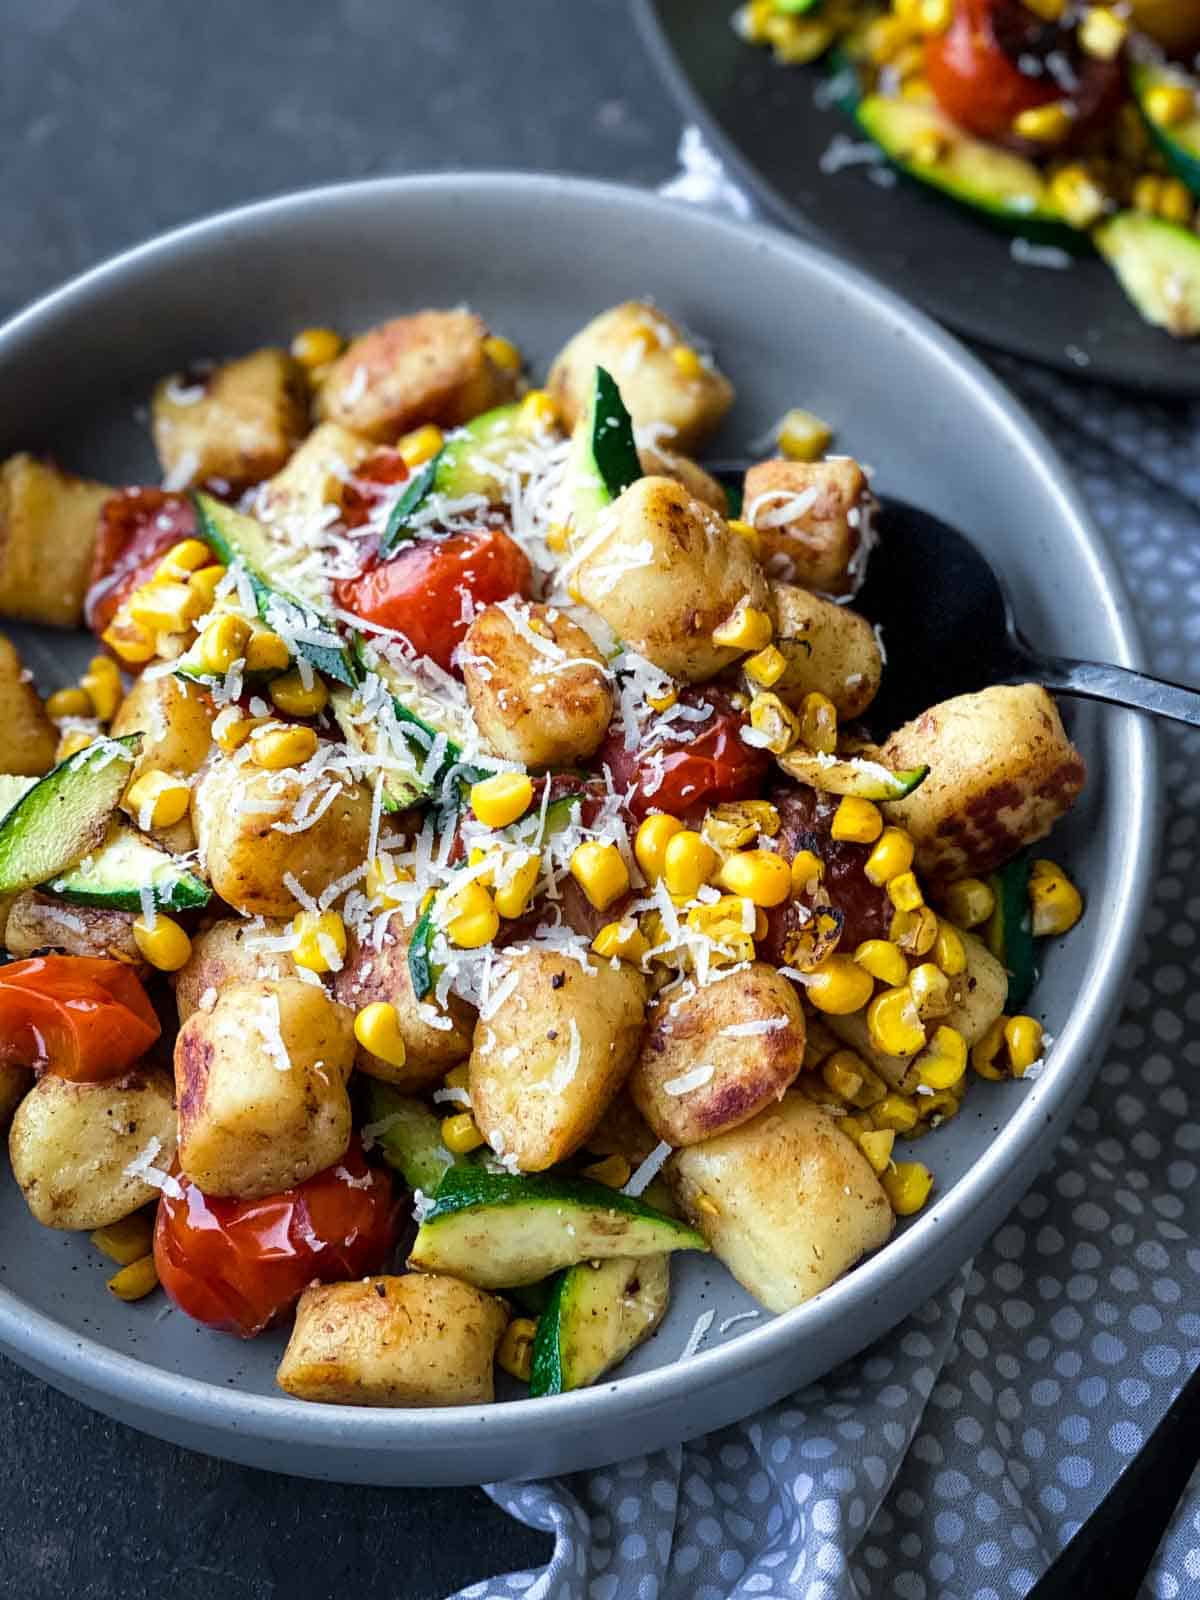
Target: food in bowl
point(1069, 125)
point(467, 875)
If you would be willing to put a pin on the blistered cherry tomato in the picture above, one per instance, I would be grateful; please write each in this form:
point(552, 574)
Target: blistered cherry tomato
point(373, 478)
point(137, 528)
point(78, 1017)
point(707, 764)
point(240, 1265)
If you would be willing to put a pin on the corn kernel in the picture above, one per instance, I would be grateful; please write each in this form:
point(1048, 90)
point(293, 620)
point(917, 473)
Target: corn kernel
point(707, 1205)
point(613, 1172)
point(939, 1106)
point(1047, 124)
point(853, 1127)
point(1175, 202)
point(460, 1133)
point(157, 800)
point(746, 629)
point(894, 1023)
point(896, 1112)
point(1078, 196)
point(128, 640)
point(1169, 104)
point(650, 844)
point(943, 1064)
point(818, 724)
point(687, 863)
point(777, 723)
point(871, 1087)
point(289, 694)
point(163, 943)
point(538, 411)
point(170, 646)
point(503, 353)
point(128, 1240)
point(420, 446)
point(623, 939)
point(1023, 1037)
point(514, 1354)
point(984, 1052)
point(383, 879)
point(135, 1281)
point(165, 607)
point(320, 941)
point(969, 902)
point(68, 703)
point(856, 821)
point(72, 743)
point(102, 685)
point(840, 1076)
point(600, 871)
point(949, 952)
point(470, 916)
point(798, 40)
point(760, 876)
point(933, 16)
point(204, 584)
point(884, 37)
point(907, 1185)
point(276, 747)
point(838, 986)
point(1102, 33)
point(377, 1029)
point(766, 667)
point(1054, 900)
point(663, 701)
point(316, 347)
point(501, 799)
point(930, 990)
point(807, 871)
point(929, 146)
point(459, 1077)
point(1147, 192)
point(687, 362)
point(746, 530)
point(883, 960)
point(221, 644)
point(876, 1144)
point(231, 735)
point(905, 892)
point(558, 538)
point(802, 436)
point(914, 931)
point(181, 561)
point(522, 872)
point(735, 823)
point(266, 652)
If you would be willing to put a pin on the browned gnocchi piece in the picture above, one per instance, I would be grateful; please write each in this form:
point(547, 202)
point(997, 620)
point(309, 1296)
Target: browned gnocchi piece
point(812, 517)
point(829, 650)
point(45, 509)
point(230, 951)
point(238, 423)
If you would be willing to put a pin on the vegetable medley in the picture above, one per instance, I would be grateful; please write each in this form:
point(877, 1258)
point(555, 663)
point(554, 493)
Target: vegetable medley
point(1064, 120)
point(467, 876)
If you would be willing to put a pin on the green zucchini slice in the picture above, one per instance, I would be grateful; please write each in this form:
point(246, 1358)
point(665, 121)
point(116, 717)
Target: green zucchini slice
point(1009, 930)
point(596, 1315)
point(1179, 142)
point(604, 459)
point(118, 875)
point(867, 780)
point(408, 1133)
point(64, 815)
point(1158, 264)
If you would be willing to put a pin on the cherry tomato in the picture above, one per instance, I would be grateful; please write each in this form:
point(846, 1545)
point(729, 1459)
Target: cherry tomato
point(380, 471)
point(419, 591)
point(686, 776)
point(137, 528)
point(240, 1265)
point(77, 1017)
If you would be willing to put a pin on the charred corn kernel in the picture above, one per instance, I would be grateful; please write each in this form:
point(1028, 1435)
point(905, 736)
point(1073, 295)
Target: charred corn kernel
point(1175, 202)
point(1048, 10)
point(856, 821)
point(1169, 104)
point(69, 703)
point(1023, 1037)
point(163, 942)
point(760, 876)
point(471, 917)
point(503, 353)
point(969, 902)
point(838, 986)
point(802, 436)
point(818, 724)
point(128, 1240)
point(501, 799)
point(377, 1029)
point(558, 537)
point(735, 823)
point(1054, 900)
point(943, 1064)
point(908, 1185)
point(796, 41)
point(840, 1076)
point(883, 960)
point(663, 701)
point(316, 347)
point(102, 685)
point(460, 1133)
point(514, 1354)
point(320, 941)
point(290, 695)
point(746, 530)
point(686, 361)
point(687, 863)
point(221, 644)
point(876, 1144)
point(232, 735)
point(871, 1087)
point(135, 1281)
point(853, 1127)
point(421, 445)
point(614, 1172)
point(72, 743)
point(600, 872)
point(987, 1054)
point(181, 560)
point(129, 640)
point(538, 411)
point(949, 951)
point(650, 843)
point(746, 629)
point(707, 1205)
point(930, 990)
point(157, 800)
point(165, 607)
point(778, 723)
point(384, 880)
point(807, 871)
point(884, 37)
point(896, 1112)
point(894, 1022)
point(204, 583)
point(765, 667)
point(1078, 196)
point(1147, 192)
point(905, 892)
point(939, 1106)
point(274, 747)
point(266, 652)
point(1044, 124)
point(521, 875)
point(914, 931)
point(623, 939)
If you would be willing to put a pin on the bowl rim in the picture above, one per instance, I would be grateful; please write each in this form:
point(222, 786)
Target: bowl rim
point(80, 1362)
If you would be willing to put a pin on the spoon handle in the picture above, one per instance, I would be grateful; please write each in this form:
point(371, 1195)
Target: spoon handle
point(1120, 687)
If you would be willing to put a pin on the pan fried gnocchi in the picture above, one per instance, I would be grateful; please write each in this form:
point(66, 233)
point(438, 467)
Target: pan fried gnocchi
point(473, 819)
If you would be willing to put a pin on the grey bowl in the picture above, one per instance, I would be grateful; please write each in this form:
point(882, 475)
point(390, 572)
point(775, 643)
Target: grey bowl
point(538, 256)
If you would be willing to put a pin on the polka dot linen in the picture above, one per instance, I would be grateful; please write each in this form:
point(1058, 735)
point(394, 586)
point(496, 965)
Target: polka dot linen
point(955, 1459)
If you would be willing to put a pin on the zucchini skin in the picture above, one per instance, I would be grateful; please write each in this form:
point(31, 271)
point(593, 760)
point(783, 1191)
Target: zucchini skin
point(412, 1145)
point(1009, 933)
point(49, 819)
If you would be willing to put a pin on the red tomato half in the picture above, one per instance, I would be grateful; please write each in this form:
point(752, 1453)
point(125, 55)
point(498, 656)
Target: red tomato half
point(381, 471)
point(77, 1017)
point(419, 590)
point(137, 528)
point(240, 1265)
point(685, 777)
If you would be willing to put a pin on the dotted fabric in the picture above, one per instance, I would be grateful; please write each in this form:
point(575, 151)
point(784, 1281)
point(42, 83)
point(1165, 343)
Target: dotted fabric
point(955, 1459)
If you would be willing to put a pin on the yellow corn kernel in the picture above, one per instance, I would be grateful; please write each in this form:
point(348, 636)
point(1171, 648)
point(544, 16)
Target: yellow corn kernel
point(1175, 202)
point(316, 347)
point(838, 986)
point(231, 735)
point(181, 561)
point(157, 800)
point(883, 960)
point(170, 646)
point(1054, 900)
point(1146, 194)
point(766, 667)
point(163, 943)
point(471, 918)
point(939, 1107)
point(856, 821)
point(933, 16)
point(72, 743)
point(69, 703)
point(289, 695)
point(943, 1064)
point(382, 881)
point(1047, 124)
point(746, 629)
point(320, 941)
point(687, 863)
point(914, 931)
point(650, 844)
point(1078, 196)
point(663, 701)
point(969, 902)
point(760, 876)
point(687, 362)
point(818, 724)
point(221, 644)
point(929, 146)
point(985, 1052)
point(538, 411)
point(503, 353)
point(735, 823)
point(613, 1172)
point(876, 1144)
point(204, 583)
point(949, 952)
point(600, 872)
point(128, 1240)
point(753, 19)
point(907, 1185)
point(871, 1087)
point(884, 37)
point(802, 436)
point(905, 892)
point(853, 1127)
point(706, 1204)
point(501, 799)
point(459, 1077)
point(894, 1023)
point(377, 1029)
point(896, 1112)
point(135, 1281)
point(1024, 1037)
point(128, 640)
point(623, 939)
point(421, 445)
point(778, 723)
point(558, 537)
point(841, 1076)
point(266, 652)
point(460, 1133)
point(512, 896)
point(514, 1354)
point(930, 990)
point(165, 607)
point(807, 871)
point(276, 747)
point(746, 530)
point(1169, 104)
point(102, 685)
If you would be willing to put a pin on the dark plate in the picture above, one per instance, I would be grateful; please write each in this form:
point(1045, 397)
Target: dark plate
point(766, 123)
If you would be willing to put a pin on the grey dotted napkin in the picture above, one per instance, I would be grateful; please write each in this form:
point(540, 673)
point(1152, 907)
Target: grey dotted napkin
point(955, 1459)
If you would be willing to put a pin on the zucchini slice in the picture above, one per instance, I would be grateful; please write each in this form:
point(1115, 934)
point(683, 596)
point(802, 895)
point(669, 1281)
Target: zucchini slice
point(1179, 142)
point(1009, 931)
point(116, 875)
point(604, 459)
point(419, 718)
point(499, 1231)
point(867, 780)
point(64, 815)
point(1159, 268)
point(596, 1315)
point(409, 1135)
